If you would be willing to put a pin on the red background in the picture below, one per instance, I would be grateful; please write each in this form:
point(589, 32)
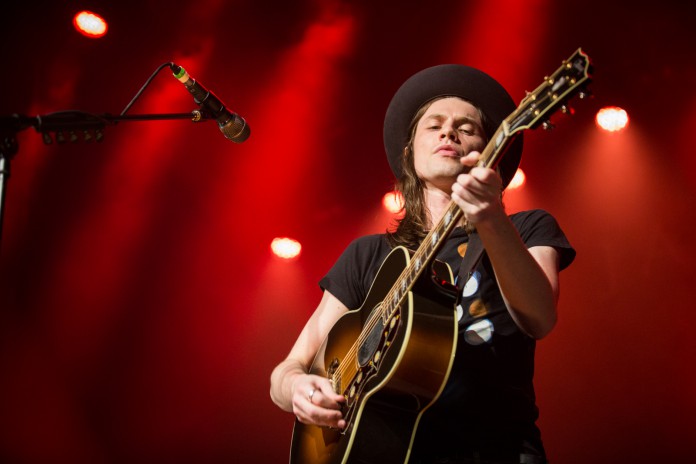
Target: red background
point(141, 311)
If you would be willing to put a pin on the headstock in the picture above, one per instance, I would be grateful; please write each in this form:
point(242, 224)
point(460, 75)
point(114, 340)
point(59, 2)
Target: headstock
point(569, 79)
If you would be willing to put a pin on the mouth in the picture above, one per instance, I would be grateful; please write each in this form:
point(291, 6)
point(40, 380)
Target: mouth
point(448, 151)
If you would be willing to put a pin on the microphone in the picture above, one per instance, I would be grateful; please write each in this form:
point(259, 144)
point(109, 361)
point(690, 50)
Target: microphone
point(232, 126)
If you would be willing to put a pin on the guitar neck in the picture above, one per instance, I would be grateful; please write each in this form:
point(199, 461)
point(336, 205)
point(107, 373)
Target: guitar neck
point(435, 239)
point(536, 107)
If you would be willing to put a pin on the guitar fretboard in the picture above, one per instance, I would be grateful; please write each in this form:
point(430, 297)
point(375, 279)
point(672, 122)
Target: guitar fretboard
point(433, 242)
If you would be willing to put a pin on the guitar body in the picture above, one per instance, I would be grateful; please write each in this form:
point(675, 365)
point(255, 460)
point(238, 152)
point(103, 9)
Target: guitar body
point(400, 370)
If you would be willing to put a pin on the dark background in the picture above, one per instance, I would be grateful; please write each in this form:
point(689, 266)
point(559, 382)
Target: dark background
point(141, 311)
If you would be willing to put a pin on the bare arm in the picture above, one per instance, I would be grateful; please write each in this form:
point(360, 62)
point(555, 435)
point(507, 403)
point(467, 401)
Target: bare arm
point(528, 278)
point(291, 385)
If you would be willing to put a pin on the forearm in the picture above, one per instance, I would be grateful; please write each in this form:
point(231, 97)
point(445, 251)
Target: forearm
point(310, 398)
point(528, 290)
point(282, 379)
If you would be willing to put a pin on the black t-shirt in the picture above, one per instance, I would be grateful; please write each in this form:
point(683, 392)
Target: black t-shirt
point(489, 401)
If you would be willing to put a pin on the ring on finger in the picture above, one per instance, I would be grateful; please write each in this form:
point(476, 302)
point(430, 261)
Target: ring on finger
point(311, 394)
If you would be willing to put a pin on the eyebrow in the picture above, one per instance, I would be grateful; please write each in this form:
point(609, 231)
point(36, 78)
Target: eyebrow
point(460, 120)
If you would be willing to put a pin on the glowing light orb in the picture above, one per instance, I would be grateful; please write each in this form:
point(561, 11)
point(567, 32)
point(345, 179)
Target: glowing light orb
point(90, 24)
point(286, 248)
point(518, 180)
point(393, 201)
point(612, 119)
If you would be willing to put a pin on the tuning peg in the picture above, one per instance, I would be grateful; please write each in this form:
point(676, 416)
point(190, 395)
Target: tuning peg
point(565, 109)
point(584, 93)
point(546, 125)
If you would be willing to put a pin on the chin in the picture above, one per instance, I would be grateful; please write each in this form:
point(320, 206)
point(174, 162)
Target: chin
point(451, 171)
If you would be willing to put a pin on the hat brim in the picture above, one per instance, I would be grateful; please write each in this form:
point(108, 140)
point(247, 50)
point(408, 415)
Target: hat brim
point(449, 80)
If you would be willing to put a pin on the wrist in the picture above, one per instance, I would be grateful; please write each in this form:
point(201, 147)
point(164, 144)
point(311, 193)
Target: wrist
point(494, 218)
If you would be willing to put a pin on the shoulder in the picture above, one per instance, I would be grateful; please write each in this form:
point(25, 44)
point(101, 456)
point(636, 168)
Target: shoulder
point(350, 277)
point(368, 244)
point(538, 227)
point(531, 216)
point(371, 240)
point(366, 249)
point(535, 221)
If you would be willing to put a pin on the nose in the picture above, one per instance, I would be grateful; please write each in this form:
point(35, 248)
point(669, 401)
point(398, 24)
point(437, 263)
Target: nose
point(448, 132)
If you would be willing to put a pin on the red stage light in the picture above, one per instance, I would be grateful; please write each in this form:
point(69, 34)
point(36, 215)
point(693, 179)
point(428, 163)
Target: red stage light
point(286, 248)
point(612, 119)
point(90, 24)
point(393, 202)
point(518, 180)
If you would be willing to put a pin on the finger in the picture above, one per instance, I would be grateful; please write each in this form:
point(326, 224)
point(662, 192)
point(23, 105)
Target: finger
point(487, 176)
point(470, 159)
point(329, 400)
point(326, 387)
point(481, 183)
point(318, 415)
point(336, 421)
point(467, 187)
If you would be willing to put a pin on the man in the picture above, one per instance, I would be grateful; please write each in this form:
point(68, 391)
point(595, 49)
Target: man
point(436, 125)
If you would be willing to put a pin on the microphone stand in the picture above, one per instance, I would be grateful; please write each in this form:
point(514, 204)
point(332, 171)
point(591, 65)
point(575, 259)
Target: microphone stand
point(70, 124)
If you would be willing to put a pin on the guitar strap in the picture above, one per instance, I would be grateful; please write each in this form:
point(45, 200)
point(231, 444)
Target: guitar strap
point(472, 256)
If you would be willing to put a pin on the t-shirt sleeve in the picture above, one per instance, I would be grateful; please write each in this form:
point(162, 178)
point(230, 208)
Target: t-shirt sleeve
point(351, 276)
point(539, 228)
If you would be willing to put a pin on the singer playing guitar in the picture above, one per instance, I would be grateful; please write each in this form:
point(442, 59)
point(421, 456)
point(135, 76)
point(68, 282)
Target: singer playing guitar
point(413, 359)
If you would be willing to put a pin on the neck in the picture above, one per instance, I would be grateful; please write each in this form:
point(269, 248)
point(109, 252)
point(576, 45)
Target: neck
point(437, 201)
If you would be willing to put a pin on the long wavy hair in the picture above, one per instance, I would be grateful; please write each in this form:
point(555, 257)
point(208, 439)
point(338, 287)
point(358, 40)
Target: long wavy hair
point(415, 222)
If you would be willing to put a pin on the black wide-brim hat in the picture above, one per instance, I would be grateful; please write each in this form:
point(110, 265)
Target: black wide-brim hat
point(449, 80)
